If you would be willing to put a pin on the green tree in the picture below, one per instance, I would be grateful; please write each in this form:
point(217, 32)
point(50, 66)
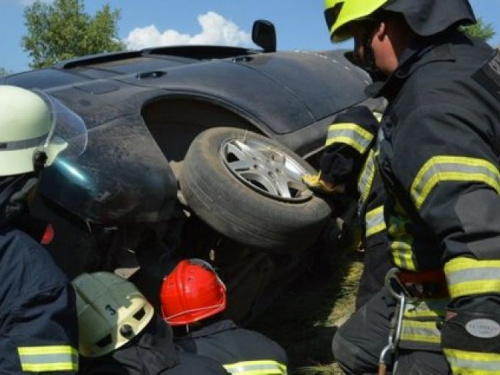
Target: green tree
point(480, 30)
point(62, 30)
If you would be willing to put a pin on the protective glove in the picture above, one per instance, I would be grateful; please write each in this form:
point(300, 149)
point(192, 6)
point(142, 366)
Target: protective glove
point(316, 184)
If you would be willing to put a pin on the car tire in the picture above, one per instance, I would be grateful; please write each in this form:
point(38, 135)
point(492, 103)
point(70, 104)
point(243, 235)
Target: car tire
point(238, 202)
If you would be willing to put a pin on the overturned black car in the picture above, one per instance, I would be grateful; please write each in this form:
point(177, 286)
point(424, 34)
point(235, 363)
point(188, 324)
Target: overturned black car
point(194, 151)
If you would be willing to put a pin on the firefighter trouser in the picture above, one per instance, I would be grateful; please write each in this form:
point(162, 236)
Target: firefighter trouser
point(376, 264)
point(358, 343)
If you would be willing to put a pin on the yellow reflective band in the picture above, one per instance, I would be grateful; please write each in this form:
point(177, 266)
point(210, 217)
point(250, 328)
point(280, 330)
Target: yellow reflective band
point(48, 358)
point(256, 368)
point(452, 168)
point(375, 222)
point(366, 180)
point(424, 332)
point(467, 276)
point(350, 134)
point(472, 363)
point(402, 254)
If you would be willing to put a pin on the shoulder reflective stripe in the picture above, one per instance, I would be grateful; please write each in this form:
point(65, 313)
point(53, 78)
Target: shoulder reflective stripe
point(261, 367)
point(468, 276)
point(452, 168)
point(48, 358)
point(472, 363)
point(350, 134)
point(366, 180)
point(424, 332)
point(402, 254)
point(375, 221)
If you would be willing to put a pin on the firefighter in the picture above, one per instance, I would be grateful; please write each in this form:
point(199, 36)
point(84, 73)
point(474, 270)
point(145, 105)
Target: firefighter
point(193, 298)
point(38, 322)
point(120, 333)
point(439, 160)
point(347, 165)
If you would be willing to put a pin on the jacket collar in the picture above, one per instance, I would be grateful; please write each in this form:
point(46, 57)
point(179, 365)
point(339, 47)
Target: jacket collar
point(211, 329)
point(420, 52)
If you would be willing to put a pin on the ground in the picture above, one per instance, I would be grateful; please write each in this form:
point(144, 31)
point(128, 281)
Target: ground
point(305, 318)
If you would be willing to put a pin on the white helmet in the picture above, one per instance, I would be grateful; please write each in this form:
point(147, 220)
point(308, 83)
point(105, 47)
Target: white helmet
point(27, 125)
point(111, 312)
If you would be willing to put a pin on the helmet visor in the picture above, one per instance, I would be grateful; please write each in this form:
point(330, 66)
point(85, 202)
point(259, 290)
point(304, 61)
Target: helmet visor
point(67, 136)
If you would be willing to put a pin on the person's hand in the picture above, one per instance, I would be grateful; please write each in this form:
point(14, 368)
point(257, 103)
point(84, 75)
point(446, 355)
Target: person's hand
point(316, 184)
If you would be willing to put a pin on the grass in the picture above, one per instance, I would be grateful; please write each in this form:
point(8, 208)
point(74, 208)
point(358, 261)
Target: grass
point(305, 318)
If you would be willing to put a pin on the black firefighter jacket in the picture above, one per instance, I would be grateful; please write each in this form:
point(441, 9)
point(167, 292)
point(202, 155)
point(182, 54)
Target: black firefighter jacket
point(152, 352)
point(38, 321)
point(439, 157)
point(239, 350)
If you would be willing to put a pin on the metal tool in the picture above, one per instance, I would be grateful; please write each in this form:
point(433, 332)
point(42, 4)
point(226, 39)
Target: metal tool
point(399, 292)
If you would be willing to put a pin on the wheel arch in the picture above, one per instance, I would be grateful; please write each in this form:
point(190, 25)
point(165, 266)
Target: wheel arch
point(174, 122)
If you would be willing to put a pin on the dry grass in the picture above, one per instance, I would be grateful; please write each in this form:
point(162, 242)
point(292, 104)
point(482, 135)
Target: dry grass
point(304, 319)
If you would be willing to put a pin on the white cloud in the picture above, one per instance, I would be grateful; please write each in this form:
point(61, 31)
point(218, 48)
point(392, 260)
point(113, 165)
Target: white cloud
point(215, 29)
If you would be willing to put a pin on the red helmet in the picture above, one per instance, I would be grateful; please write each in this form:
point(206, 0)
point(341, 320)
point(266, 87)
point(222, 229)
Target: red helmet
point(191, 292)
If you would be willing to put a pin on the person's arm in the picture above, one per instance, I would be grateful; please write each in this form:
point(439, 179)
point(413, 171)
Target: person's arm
point(38, 321)
point(348, 141)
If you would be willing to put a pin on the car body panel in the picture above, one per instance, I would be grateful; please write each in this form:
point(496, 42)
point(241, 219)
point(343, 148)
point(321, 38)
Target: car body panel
point(290, 96)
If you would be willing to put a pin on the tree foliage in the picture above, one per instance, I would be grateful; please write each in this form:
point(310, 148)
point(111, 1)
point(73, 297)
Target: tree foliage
point(62, 30)
point(480, 30)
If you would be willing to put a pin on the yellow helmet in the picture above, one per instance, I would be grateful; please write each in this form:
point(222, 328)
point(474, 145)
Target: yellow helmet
point(352, 10)
point(332, 10)
point(111, 312)
point(424, 17)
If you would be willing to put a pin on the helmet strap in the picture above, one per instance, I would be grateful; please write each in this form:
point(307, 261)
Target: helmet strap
point(39, 160)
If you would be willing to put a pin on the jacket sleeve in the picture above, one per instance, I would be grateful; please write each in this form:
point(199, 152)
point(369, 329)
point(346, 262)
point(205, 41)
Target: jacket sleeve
point(347, 144)
point(453, 182)
point(38, 321)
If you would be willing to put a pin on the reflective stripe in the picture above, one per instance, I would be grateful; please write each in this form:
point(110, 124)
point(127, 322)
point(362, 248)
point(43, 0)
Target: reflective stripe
point(422, 332)
point(350, 134)
point(375, 222)
point(365, 181)
point(452, 168)
point(256, 367)
point(402, 253)
point(419, 322)
point(22, 144)
point(48, 358)
point(466, 276)
point(472, 363)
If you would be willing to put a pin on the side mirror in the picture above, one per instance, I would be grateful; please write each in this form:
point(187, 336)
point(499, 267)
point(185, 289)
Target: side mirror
point(264, 35)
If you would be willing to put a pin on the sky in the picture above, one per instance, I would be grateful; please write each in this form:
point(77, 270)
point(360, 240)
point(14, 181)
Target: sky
point(146, 23)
